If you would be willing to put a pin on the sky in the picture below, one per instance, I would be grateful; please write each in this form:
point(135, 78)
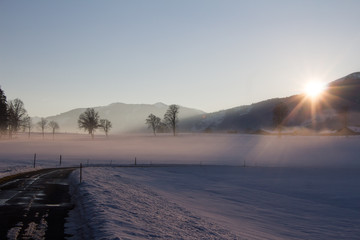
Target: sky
point(209, 55)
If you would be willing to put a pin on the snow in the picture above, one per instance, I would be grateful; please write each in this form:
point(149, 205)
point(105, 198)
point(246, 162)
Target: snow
point(293, 187)
point(113, 207)
point(355, 129)
point(216, 202)
point(11, 170)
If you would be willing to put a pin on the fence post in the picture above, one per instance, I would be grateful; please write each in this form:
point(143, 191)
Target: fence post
point(34, 160)
point(135, 161)
point(60, 159)
point(80, 172)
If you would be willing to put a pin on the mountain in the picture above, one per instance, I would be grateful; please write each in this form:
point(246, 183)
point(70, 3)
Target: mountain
point(124, 117)
point(343, 93)
point(340, 94)
point(346, 91)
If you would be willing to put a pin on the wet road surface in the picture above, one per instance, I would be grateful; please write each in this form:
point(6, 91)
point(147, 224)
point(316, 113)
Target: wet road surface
point(34, 205)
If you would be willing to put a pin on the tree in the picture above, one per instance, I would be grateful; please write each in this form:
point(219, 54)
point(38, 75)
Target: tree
point(171, 117)
point(89, 121)
point(3, 113)
point(27, 125)
point(54, 126)
point(16, 115)
point(162, 128)
point(280, 112)
point(42, 124)
point(105, 125)
point(153, 122)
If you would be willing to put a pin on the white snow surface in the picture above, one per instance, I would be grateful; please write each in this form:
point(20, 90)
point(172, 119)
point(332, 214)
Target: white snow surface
point(216, 202)
point(293, 187)
point(110, 206)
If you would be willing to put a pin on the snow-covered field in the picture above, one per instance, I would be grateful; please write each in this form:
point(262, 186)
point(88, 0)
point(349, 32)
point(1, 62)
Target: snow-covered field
point(111, 206)
point(294, 187)
point(217, 202)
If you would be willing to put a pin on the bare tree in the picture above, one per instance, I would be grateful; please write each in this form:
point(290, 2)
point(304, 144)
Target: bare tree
point(42, 125)
point(153, 122)
point(16, 115)
point(27, 125)
point(105, 125)
point(54, 126)
point(162, 128)
point(280, 112)
point(89, 121)
point(171, 117)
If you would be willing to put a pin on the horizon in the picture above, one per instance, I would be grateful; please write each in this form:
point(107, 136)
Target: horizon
point(207, 55)
point(203, 119)
point(305, 91)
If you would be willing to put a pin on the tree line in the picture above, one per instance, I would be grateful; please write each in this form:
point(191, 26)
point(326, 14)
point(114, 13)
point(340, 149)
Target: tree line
point(90, 121)
point(14, 117)
point(170, 121)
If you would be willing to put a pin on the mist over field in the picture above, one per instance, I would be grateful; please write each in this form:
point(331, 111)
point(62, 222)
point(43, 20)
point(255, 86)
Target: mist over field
point(180, 120)
point(218, 149)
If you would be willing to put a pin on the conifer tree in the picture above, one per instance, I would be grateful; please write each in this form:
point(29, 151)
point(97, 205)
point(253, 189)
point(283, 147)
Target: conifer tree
point(3, 112)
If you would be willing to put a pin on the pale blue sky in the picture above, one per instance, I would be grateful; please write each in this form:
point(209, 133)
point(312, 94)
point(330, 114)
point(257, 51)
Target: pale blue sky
point(210, 55)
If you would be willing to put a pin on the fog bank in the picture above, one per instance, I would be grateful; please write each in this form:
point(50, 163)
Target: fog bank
point(218, 149)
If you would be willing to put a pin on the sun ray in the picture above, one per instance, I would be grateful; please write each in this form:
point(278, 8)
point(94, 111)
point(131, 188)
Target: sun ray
point(308, 105)
point(295, 110)
point(314, 89)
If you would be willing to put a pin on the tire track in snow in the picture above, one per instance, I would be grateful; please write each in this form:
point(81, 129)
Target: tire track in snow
point(110, 206)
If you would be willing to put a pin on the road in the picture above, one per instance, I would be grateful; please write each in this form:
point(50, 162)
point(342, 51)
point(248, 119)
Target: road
point(34, 205)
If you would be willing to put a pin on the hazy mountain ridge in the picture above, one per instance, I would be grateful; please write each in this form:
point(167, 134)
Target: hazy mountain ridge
point(124, 117)
point(250, 118)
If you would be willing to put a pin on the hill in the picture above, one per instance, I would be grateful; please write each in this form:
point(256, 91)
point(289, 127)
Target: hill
point(124, 117)
point(324, 113)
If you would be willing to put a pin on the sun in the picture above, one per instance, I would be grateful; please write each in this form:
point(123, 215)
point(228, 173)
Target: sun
point(314, 88)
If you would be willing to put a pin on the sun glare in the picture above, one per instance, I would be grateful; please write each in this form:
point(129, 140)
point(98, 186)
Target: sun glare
point(314, 89)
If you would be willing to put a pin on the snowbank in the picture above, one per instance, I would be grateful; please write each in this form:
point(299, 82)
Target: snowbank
point(110, 206)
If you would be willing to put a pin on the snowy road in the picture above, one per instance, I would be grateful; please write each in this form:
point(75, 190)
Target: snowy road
point(34, 205)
